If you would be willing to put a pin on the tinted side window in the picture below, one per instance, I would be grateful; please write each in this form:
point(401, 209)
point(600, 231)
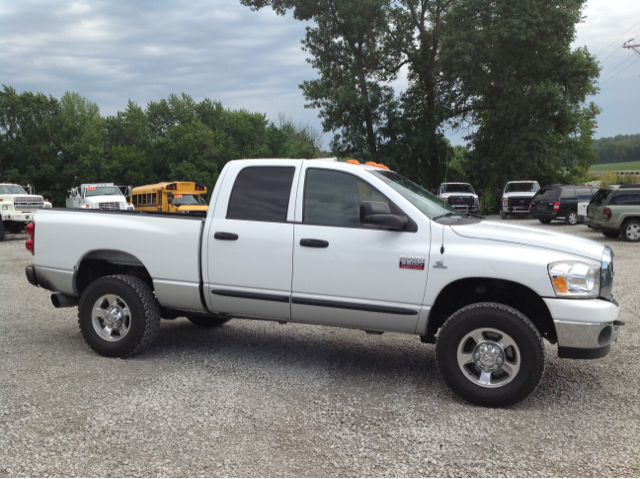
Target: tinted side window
point(568, 193)
point(630, 198)
point(333, 198)
point(584, 193)
point(600, 197)
point(261, 193)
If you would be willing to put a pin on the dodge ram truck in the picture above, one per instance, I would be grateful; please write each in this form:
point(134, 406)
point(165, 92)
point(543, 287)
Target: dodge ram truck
point(336, 244)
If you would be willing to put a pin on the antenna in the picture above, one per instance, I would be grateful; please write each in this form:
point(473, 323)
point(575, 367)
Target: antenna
point(446, 170)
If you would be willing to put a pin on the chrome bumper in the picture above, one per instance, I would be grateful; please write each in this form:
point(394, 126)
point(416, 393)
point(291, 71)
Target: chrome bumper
point(586, 329)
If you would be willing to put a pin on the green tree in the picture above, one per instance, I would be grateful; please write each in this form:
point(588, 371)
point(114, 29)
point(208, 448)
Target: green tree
point(520, 82)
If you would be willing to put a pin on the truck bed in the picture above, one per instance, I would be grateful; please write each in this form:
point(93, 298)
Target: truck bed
point(142, 239)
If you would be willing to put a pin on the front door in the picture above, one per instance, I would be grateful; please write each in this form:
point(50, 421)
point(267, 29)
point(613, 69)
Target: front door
point(349, 274)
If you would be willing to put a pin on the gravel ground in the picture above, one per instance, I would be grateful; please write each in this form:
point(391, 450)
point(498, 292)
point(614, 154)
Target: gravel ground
point(261, 399)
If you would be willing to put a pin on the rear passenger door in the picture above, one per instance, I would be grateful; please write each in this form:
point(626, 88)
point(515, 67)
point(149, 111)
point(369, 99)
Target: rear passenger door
point(250, 241)
point(568, 200)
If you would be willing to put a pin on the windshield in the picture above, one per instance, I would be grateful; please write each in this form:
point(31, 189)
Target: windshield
point(102, 191)
point(521, 187)
point(430, 205)
point(457, 188)
point(12, 190)
point(188, 200)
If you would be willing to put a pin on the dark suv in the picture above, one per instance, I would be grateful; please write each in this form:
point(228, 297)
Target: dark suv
point(615, 211)
point(559, 202)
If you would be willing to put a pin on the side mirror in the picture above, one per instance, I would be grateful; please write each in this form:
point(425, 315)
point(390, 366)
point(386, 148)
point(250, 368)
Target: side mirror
point(378, 213)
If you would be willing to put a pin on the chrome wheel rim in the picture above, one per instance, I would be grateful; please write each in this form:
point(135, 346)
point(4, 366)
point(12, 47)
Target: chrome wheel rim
point(633, 231)
point(573, 218)
point(489, 357)
point(111, 318)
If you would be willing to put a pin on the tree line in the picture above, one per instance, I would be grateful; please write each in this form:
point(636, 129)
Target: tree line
point(503, 70)
point(57, 144)
point(619, 149)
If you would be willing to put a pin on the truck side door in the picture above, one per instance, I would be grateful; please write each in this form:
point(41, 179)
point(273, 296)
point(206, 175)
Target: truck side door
point(349, 274)
point(250, 241)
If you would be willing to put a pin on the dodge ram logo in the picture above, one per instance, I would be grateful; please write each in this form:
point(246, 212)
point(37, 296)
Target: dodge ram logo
point(411, 262)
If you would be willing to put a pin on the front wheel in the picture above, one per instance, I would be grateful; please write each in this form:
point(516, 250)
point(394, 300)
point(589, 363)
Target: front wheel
point(490, 354)
point(631, 230)
point(1, 230)
point(503, 215)
point(571, 218)
point(119, 315)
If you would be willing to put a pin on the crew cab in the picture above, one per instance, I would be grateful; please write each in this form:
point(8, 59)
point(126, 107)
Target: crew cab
point(336, 244)
point(459, 195)
point(98, 196)
point(516, 197)
point(18, 207)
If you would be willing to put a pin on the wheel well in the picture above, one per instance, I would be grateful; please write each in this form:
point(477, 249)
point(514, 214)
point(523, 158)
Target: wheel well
point(468, 291)
point(98, 264)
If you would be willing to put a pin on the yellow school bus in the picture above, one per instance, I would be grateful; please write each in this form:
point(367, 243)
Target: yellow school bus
point(175, 197)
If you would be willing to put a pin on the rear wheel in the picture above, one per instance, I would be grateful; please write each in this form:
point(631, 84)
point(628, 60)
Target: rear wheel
point(119, 315)
point(490, 354)
point(631, 230)
point(208, 321)
point(611, 234)
point(571, 218)
point(544, 221)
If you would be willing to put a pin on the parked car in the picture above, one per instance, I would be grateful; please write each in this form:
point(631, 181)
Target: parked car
point(615, 211)
point(336, 244)
point(459, 195)
point(560, 202)
point(516, 197)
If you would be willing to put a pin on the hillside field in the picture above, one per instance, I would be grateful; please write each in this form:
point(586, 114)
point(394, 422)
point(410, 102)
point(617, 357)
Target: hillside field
point(626, 166)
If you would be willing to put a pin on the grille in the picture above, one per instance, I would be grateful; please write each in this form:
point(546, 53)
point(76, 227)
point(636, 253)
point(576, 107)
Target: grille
point(522, 202)
point(28, 203)
point(109, 206)
point(461, 201)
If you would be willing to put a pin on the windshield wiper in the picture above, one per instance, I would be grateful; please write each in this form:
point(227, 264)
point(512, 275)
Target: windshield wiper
point(446, 215)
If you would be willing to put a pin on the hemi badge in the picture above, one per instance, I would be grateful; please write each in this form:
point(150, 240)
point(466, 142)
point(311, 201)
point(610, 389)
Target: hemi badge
point(411, 262)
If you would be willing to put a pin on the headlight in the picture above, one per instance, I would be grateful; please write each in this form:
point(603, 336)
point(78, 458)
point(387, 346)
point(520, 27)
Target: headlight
point(573, 279)
point(606, 274)
point(476, 201)
point(5, 207)
point(505, 202)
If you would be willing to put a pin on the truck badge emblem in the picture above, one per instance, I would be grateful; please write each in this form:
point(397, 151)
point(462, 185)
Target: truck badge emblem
point(440, 264)
point(411, 262)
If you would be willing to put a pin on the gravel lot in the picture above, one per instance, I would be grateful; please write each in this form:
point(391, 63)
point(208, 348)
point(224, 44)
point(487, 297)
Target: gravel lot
point(261, 399)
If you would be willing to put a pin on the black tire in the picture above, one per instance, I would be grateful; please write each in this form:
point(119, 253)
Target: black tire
point(208, 321)
point(544, 221)
point(630, 230)
point(571, 218)
point(503, 215)
point(143, 313)
point(1, 230)
point(611, 234)
point(527, 355)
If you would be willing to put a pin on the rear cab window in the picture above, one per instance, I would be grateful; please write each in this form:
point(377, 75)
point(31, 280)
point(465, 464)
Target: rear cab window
point(261, 193)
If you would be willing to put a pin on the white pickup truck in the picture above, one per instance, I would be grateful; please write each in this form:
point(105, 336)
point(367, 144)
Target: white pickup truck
point(336, 244)
point(98, 196)
point(18, 207)
point(516, 197)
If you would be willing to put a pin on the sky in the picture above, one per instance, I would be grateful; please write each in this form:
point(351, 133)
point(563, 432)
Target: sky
point(144, 50)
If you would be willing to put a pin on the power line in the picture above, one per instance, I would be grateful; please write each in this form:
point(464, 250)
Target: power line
point(637, 60)
point(619, 64)
point(638, 22)
point(610, 55)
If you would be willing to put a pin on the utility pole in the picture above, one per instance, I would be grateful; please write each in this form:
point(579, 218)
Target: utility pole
point(630, 44)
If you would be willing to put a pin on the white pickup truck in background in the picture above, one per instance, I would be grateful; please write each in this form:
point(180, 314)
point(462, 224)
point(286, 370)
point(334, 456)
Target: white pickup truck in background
point(516, 197)
point(98, 196)
point(18, 207)
point(336, 244)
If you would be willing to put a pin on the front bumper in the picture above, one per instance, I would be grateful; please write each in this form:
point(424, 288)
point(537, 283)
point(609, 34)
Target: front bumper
point(22, 217)
point(586, 328)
